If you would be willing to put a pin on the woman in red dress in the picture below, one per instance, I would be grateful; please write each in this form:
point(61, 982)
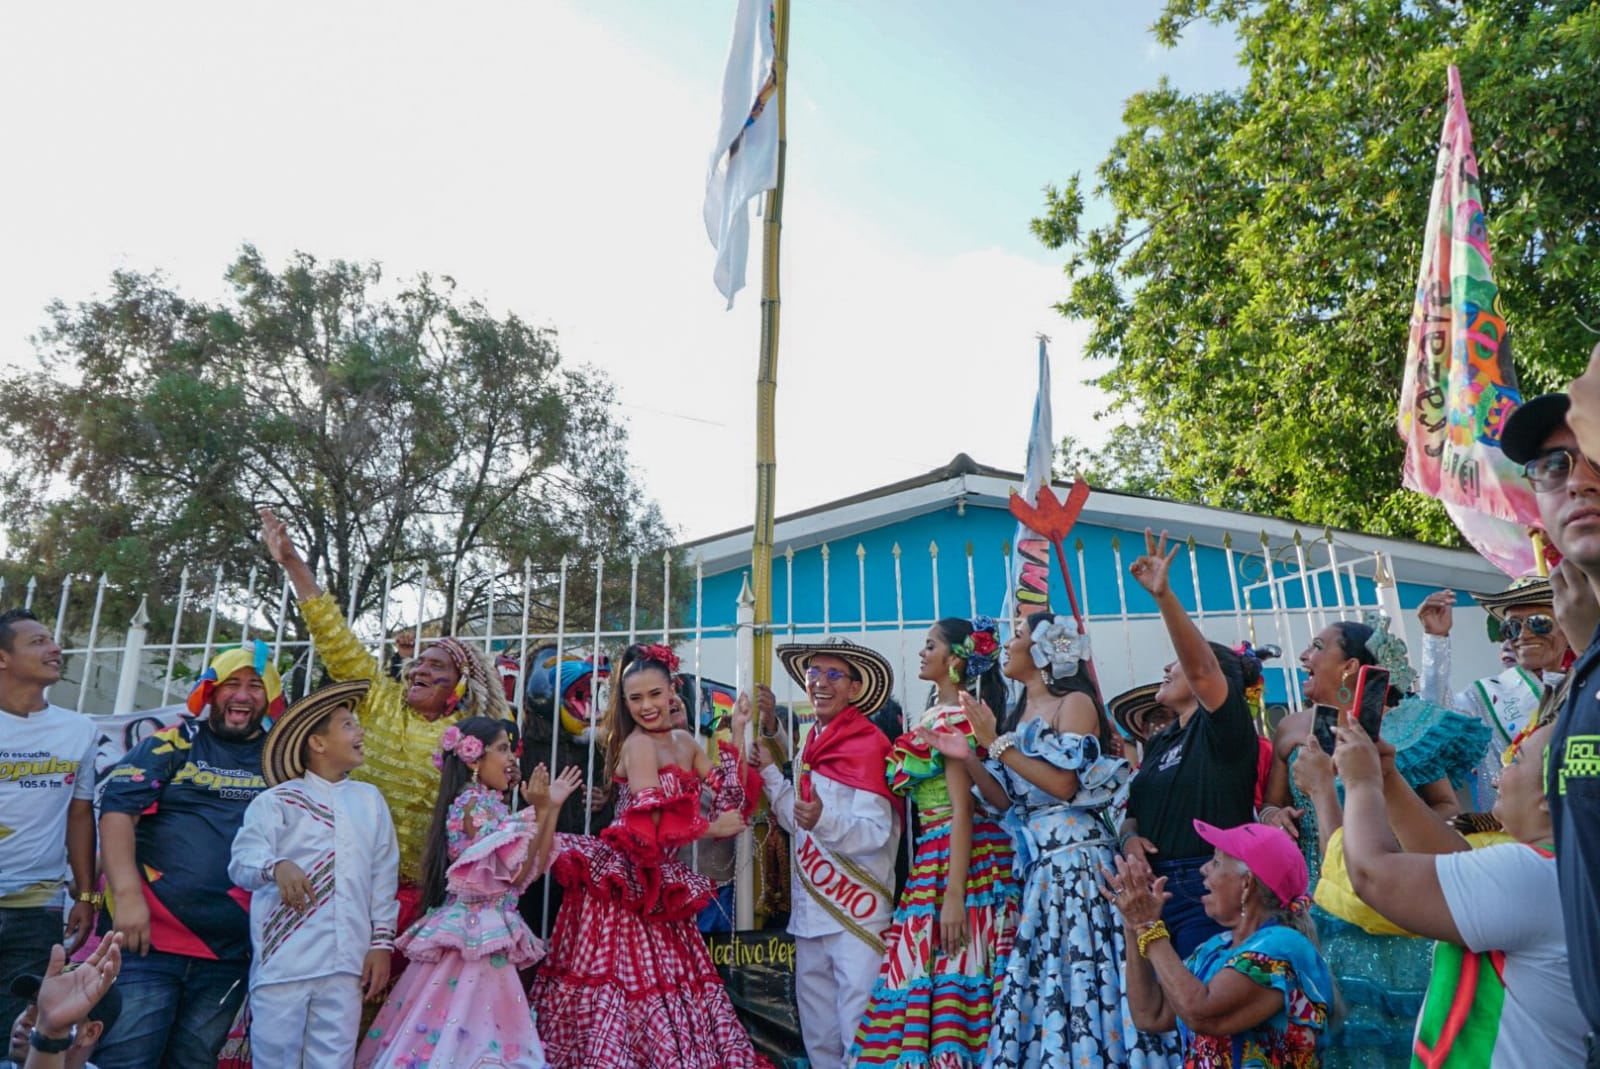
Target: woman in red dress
point(628, 983)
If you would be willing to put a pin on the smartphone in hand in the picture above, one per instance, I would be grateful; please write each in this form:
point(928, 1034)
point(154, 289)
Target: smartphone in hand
point(1325, 719)
point(1372, 698)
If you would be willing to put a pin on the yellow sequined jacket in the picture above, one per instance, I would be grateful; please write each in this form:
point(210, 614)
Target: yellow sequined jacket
point(399, 744)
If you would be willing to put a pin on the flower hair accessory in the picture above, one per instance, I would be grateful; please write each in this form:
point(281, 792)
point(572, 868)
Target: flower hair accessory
point(1389, 650)
point(661, 655)
point(467, 748)
point(1059, 646)
point(978, 650)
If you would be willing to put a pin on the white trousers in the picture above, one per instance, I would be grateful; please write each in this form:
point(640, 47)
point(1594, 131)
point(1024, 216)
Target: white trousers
point(306, 1024)
point(833, 978)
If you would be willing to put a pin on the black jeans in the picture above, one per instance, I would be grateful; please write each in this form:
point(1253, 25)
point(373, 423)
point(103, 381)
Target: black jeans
point(26, 936)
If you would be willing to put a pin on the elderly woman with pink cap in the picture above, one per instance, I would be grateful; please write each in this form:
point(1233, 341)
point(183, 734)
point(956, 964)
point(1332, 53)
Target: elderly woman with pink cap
point(1257, 995)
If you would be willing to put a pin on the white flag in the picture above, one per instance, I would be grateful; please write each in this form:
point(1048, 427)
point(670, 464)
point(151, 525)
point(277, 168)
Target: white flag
point(1030, 553)
point(744, 162)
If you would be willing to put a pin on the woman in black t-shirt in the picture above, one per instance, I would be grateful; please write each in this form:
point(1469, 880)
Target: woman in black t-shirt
point(1203, 766)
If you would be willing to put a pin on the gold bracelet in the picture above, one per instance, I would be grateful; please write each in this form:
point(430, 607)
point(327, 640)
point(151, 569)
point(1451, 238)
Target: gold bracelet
point(94, 898)
point(1149, 934)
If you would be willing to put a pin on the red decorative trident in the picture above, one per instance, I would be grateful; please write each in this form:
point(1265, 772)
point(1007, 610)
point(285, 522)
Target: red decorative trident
point(1054, 519)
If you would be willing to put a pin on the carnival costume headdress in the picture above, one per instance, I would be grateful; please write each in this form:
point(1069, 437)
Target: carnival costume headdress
point(253, 654)
point(1059, 647)
point(479, 691)
point(1389, 650)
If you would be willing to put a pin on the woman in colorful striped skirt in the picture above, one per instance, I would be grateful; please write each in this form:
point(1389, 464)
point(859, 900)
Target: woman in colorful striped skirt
point(947, 947)
point(1061, 1001)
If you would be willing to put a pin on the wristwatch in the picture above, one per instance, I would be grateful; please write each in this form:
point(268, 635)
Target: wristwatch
point(94, 898)
point(46, 1045)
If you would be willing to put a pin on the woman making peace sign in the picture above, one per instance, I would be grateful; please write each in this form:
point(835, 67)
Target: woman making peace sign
point(1200, 767)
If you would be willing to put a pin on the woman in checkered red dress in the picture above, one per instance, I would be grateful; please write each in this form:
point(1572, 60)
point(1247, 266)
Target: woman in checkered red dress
point(628, 983)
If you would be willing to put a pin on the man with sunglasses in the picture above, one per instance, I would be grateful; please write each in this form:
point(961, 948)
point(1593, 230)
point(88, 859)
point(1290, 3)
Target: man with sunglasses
point(1566, 482)
point(1524, 615)
point(842, 817)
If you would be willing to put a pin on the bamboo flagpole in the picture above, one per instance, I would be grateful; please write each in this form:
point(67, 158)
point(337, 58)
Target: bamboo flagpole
point(767, 377)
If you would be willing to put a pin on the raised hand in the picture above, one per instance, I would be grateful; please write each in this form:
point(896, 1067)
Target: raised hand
point(1437, 612)
point(536, 792)
point(952, 745)
point(275, 533)
point(1584, 415)
point(1150, 570)
point(564, 786)
point(66, 998)
point(981, 717)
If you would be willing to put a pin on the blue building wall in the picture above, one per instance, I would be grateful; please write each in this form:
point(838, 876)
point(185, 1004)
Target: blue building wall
point(988, 530)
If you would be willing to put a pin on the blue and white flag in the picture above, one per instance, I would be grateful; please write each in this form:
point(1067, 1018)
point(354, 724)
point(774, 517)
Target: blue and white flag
point(744, 161)
point(1030, 552)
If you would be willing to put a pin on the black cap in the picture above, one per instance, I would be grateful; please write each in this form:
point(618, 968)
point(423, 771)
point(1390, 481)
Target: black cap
point(1531, 423)
point(106, 1011)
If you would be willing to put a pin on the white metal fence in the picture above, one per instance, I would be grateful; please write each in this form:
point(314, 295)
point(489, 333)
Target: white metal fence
point(1276, 595)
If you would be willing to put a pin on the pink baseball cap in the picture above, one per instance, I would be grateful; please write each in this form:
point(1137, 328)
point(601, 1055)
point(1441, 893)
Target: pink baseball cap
point(1270, 855)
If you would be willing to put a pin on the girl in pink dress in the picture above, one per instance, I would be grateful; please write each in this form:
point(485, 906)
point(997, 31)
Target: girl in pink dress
point(460, 1003)
point(628, 983)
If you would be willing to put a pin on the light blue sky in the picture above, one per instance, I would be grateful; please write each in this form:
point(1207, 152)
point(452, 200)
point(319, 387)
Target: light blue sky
point(551, 156)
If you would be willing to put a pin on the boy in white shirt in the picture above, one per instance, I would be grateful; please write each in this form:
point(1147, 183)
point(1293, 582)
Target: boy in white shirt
point(319, 853)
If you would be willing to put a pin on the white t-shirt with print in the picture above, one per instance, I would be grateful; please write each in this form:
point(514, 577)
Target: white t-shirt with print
point(46, 762)
point(1505, 898)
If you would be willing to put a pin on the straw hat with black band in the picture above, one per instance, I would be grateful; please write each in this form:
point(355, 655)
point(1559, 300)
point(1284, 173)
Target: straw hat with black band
point(1530, 590)
point(1134, 710)
point(870, 667)
point(283, 757)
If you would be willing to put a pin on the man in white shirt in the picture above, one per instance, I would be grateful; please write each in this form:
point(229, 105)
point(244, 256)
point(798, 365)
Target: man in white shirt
point(1500, 993)
point(46, 807)
point(844, 823)
point(318, 853)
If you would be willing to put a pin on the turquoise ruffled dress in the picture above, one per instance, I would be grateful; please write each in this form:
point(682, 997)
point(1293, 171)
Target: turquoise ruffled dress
point(1383, 978)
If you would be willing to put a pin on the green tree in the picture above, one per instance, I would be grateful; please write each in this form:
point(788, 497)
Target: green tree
point(1252, 286)
point(390, 424)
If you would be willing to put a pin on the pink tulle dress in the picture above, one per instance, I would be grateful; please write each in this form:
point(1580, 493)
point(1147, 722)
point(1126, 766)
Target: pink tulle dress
point(628, 983)
point(460, 1002)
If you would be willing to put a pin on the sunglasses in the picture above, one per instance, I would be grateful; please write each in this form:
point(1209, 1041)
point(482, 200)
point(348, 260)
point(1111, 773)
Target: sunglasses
point(832, 675)
point(1549, 473)
point(1537, 623)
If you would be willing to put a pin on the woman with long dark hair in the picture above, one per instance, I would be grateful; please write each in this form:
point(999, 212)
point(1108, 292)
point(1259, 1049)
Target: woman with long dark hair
point(1061, 998)
point(1202, 767)
point(628, 983)
point(952, 930)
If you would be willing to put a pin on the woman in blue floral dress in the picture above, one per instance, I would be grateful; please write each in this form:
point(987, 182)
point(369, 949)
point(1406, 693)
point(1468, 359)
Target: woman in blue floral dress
point(1061, 999)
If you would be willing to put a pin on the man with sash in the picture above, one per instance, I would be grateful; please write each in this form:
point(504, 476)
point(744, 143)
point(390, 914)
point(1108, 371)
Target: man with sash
point(845, 827)
point(1524, 614)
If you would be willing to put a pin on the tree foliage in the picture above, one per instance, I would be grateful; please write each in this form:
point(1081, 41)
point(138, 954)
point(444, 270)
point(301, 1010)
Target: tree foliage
point(391, 424)
point(1252, 287)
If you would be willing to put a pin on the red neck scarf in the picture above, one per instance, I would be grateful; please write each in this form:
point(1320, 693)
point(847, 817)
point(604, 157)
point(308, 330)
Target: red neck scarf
point(849, 749)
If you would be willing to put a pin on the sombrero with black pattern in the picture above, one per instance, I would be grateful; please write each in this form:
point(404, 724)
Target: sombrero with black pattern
point(877, 678)
point(1529, 590)
point(282, 758)
point(1137, 713)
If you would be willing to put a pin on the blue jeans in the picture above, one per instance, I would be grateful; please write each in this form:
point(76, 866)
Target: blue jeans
point(1186, 918)
point(26, 936)
point(176, 1011)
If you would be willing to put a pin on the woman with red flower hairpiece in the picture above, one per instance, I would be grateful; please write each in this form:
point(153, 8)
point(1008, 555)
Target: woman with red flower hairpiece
point(934, 996)
point(628, 983)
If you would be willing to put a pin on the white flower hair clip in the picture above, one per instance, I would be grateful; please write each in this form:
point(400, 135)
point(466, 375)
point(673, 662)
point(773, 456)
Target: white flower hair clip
point(1059, 646)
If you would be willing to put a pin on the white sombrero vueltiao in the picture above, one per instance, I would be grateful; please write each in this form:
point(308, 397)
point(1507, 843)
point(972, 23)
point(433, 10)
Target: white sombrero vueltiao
point(877, 678)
